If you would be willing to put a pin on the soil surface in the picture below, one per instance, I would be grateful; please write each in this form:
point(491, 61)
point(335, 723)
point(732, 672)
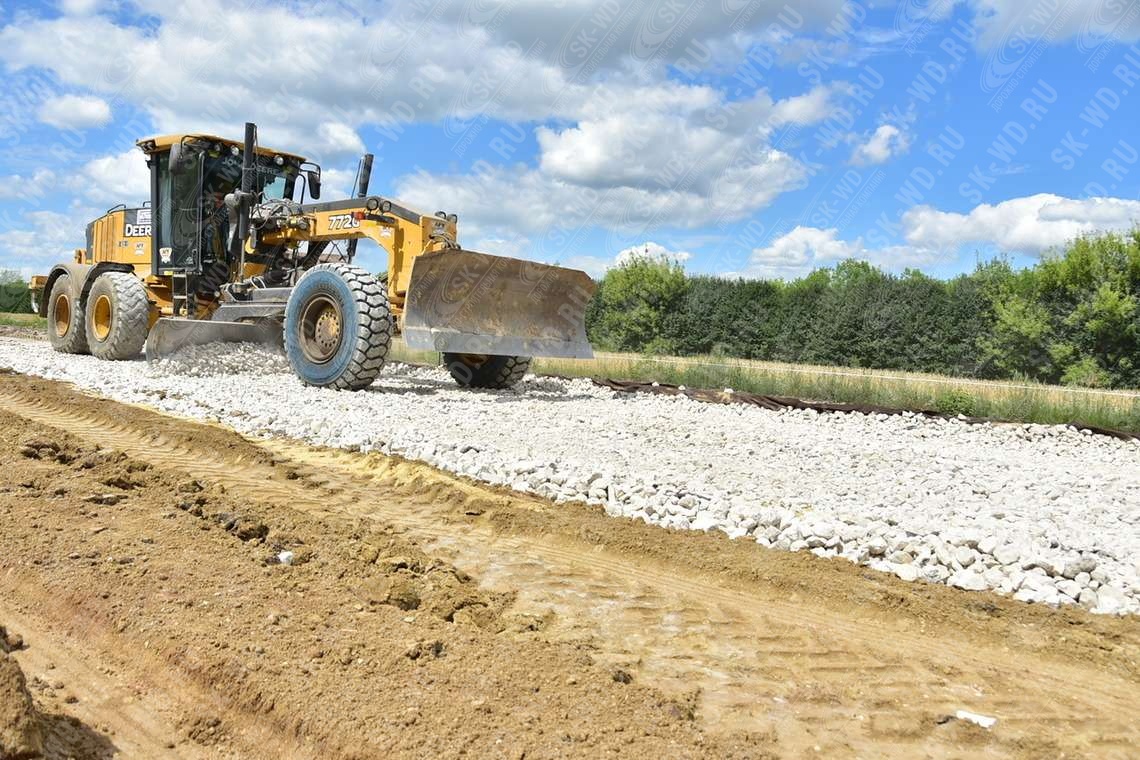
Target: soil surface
point(185, 592)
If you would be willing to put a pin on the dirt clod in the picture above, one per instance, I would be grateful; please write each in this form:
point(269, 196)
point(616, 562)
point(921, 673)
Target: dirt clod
point(191, 486)
point(104, 499)
point(21, 736)
point(431, 649)
point(10, 641)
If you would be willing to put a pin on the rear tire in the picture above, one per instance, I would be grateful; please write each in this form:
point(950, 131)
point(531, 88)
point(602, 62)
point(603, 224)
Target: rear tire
point(338, 328)
point(478, 371)
point(65, 319)
point(118, 316)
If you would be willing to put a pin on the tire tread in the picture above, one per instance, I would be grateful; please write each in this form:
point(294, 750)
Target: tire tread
point(373, 323)
point(129, 324)
point(75, 341)
point(496, 373)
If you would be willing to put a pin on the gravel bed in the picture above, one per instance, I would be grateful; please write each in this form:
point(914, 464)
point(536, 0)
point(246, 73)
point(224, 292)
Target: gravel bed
point(1045, 513)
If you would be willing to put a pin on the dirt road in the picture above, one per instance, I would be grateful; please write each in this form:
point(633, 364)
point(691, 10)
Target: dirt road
point(422, 615)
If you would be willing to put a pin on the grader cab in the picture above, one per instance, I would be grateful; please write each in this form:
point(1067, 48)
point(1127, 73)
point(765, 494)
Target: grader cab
point(236, 245)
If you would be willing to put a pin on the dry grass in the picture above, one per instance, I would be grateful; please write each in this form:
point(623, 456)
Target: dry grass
point(1014, 401)
point(21, 320)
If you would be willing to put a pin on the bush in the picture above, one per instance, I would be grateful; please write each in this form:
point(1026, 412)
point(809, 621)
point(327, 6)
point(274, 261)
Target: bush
point(955, 402)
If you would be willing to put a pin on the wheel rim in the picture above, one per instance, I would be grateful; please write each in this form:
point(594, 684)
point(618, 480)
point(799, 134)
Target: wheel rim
point(101, 318)
point(321, 331)
point(62, 314)
point(474, 360)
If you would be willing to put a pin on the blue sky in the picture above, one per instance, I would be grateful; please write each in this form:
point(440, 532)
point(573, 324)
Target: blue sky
point(759, 139)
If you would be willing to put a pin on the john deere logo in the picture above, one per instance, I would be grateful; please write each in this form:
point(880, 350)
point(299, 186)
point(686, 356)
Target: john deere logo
point(136, 222)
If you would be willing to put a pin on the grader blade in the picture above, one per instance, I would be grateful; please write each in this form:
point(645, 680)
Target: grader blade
point(475, 303)
point(170, 334)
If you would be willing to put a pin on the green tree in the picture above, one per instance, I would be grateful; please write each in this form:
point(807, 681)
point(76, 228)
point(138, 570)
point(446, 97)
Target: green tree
point(635, 301)
point(1019, 343)
point(15, 297)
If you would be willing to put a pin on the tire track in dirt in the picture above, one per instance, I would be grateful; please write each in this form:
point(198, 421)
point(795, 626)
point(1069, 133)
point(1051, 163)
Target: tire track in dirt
point(803, 670)
point(363, 646)
point(143, 719)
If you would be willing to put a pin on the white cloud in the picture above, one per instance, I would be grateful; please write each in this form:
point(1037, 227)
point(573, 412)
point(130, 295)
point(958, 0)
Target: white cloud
point(884, 143)
point(800, 251)
point(809, 108)
point(118, 178)
point(515, 247)
point(1018, 24)
point(677, 135)
point(805, 249)
point(222, 63)
point(596, 266)
point(664, 155)
point(44, 238)
point(496, 199)
point(337, 138)
point(651, 250)
point(1029, 225)
point(16, 187)
point(75, 112)
point(79, 7)
point(337, 182)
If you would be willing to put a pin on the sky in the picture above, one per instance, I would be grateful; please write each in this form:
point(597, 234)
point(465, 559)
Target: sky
point(758, 139)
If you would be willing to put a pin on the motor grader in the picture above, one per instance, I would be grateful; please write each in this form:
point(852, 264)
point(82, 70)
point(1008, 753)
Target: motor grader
point(236, 245)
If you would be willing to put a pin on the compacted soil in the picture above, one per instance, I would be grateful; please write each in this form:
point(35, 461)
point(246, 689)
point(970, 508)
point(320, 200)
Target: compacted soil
point(172, 589)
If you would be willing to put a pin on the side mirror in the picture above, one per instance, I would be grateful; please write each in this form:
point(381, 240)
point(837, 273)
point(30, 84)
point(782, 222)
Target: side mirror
point(314, 178)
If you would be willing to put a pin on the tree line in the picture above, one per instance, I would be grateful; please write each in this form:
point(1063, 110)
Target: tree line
point(1070, 319)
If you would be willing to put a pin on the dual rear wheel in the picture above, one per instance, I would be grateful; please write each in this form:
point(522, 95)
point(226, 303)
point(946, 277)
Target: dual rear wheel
point(65, 326)
point(111, 324)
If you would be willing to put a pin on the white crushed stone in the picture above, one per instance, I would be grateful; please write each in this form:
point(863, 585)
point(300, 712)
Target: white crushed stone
point(1044, 513)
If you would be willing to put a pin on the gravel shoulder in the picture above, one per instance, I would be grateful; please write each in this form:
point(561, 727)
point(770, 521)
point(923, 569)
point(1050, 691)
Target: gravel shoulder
point(1043, 514)
point(420, 614)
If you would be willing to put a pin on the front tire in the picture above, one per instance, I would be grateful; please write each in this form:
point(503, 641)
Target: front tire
point(65, 318)
point(118, 316)
point(338, 328)
point(482, 371)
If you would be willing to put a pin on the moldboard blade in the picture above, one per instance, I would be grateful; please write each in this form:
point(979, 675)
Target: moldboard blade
point(476, 303)
point(170, 334)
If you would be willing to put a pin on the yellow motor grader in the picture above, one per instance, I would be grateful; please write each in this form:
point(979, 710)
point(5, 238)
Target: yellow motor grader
point(229, 249)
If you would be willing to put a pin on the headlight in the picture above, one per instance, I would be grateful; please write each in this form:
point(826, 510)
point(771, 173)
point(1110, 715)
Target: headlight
point(372, 203)
point(453, 218)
